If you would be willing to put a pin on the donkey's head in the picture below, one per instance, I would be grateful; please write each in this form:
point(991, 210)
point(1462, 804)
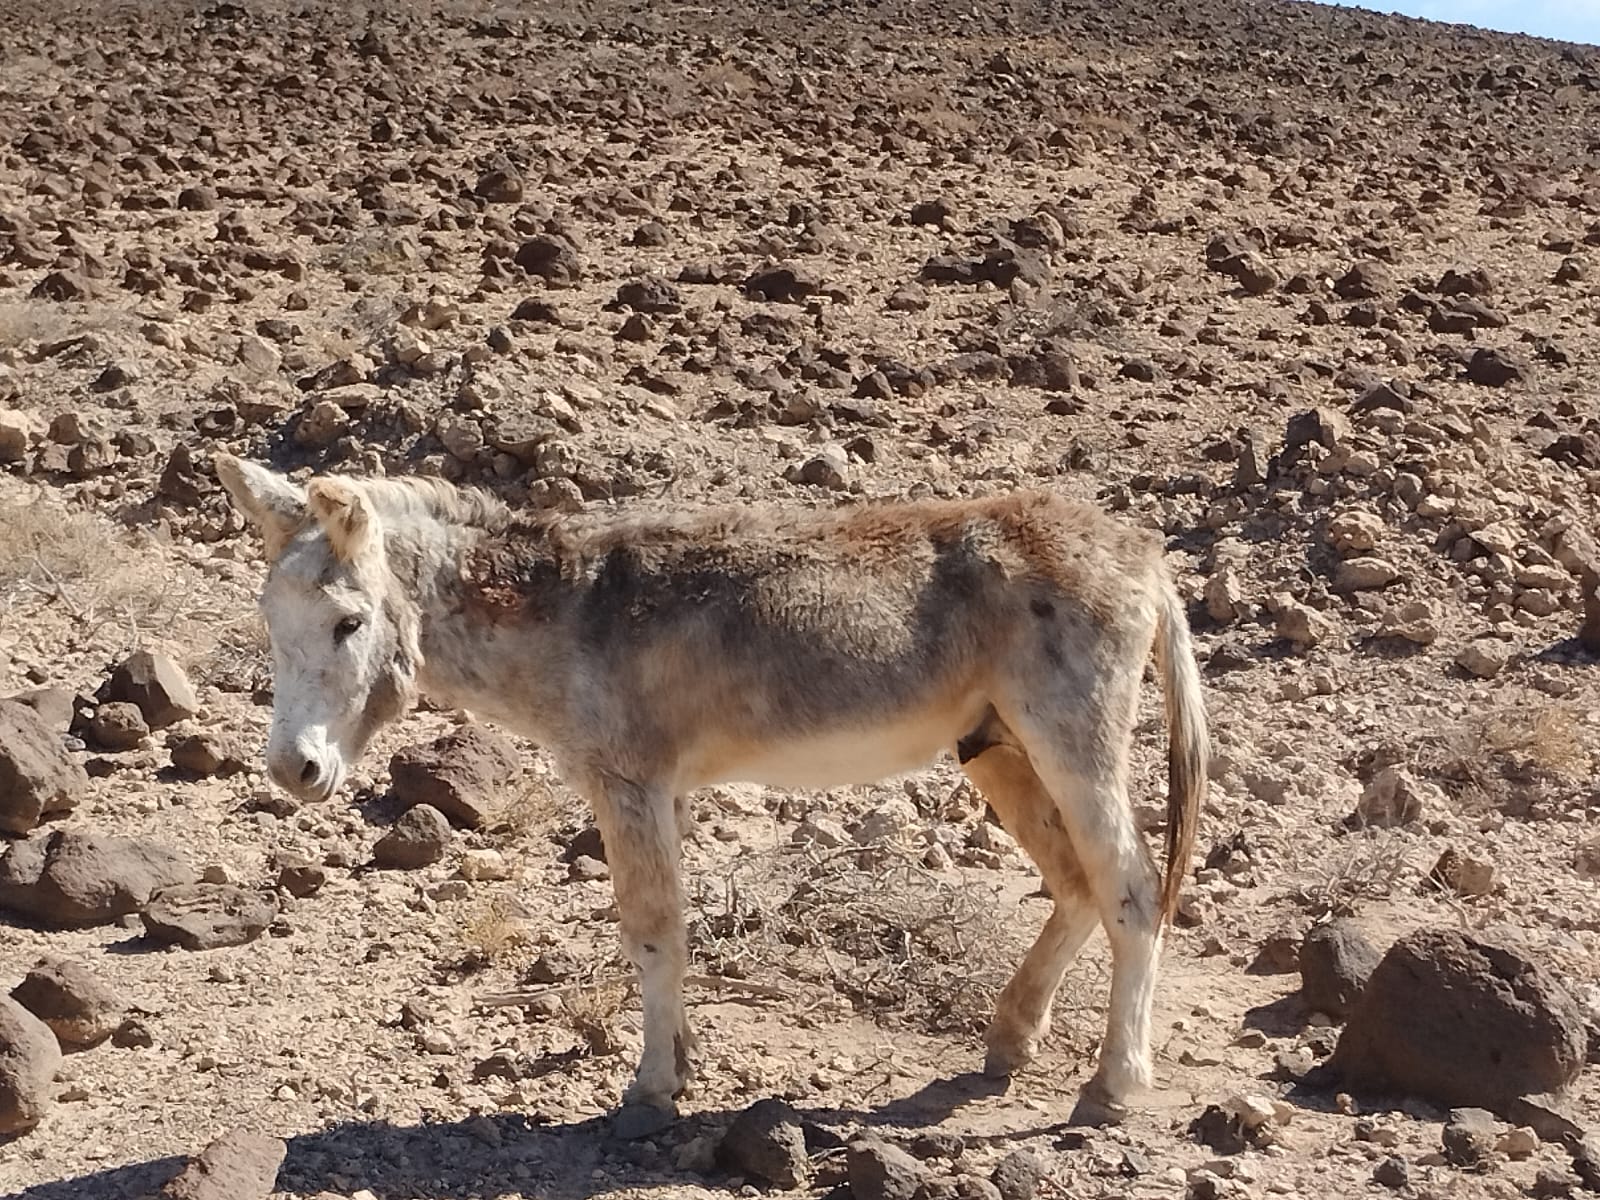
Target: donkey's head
point(344, 634)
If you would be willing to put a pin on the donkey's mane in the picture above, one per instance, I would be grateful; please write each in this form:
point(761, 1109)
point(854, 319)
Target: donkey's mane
point(420, 497)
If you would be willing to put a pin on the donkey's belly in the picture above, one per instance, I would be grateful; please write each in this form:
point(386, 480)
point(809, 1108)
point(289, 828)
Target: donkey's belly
point(848, 754)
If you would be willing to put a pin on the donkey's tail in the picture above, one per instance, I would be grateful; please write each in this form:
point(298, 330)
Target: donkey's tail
point(1187, 742)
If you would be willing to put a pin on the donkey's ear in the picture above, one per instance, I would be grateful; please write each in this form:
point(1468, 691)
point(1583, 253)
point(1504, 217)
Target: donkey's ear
point(266, 499)
point(345, 516)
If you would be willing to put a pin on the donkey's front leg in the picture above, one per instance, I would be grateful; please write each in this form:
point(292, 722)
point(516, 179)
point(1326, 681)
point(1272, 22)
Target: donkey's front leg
point(640, 829)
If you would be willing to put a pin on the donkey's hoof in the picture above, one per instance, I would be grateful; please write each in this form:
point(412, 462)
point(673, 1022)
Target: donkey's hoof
point(1096, 1107)
point(1008, 1055)
point(633, 1121)
point(998, 1064)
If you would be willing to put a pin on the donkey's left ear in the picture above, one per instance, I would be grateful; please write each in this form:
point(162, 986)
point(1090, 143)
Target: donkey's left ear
point(266, 499)
point(345, 516)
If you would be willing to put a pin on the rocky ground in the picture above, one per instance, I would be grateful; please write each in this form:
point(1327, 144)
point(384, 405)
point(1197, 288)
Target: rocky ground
point(1309, 290)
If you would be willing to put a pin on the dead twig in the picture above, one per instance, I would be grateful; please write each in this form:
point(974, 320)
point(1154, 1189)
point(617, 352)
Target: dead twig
point(61, 594)
point(717, 983)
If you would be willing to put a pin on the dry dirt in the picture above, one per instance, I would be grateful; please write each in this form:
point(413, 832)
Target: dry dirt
point(300, 232)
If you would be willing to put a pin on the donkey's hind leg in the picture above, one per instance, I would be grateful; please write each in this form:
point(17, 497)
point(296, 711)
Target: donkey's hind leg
point(639, 826)
point(1080, 752)
point(1000, 770)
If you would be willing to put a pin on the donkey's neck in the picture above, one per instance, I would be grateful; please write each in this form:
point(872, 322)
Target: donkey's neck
point(492, 661)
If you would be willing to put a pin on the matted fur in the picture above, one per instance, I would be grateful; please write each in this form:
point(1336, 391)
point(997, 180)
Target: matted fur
point(653, 654)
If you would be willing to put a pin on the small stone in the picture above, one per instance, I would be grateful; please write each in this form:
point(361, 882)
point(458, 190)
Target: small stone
point(1364, 574)
point(1323, 426)
point(1279, 953)
point(1219, 1130)
point(1224, 595)
point(300, 877)
point(766, 1141)
point(38, 778)
point(1395, 797)
point(585, 869)
point(57, 708)
point(1336, 960)
point(463, 774)
point(1496, 368)
point(157, 685)
point(1464, 874)
point(1365, 281)
point(1293, 1064)
point(1300, 624)
point(133, 1034)
point(118, 726)
point(1356, 531)
point(632, 1122)
point(1484, 657)
point(208, 916)
point(66, 878)
point(198, 198)
point(649, 295)
point(781, 283)
point(1254, 1112)
point(1469, 1137)
point(821, 831)
point(206, 753)
point(18, 433)
point(1589, 632)
point(80, 1008)
point(30, 1056)
point(484, 865)
point(417, 839)
point(1417, 621)
point(1392, 1172)
point(501, 185)
point(1018, 1174)
point(321, 425)
point(829, 469)
point(879, 1171)
point(240, 1165)
point(1518, 1143)
point(1586, 859)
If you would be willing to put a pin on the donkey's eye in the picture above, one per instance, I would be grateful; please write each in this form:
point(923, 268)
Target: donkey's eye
point(344, 629)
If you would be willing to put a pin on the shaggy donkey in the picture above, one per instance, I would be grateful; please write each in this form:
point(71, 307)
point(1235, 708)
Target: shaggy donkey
point(652, 655)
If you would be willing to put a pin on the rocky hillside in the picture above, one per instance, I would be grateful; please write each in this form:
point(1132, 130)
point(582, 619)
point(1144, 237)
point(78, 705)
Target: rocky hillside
point(1308, 289)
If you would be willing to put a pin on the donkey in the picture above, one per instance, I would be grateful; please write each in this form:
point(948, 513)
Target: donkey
point(655, 654)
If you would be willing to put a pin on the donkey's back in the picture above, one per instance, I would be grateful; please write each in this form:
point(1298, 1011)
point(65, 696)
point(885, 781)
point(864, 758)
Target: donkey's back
point(836, 647)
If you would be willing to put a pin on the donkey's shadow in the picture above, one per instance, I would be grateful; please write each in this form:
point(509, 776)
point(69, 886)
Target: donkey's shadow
point(508, 1154)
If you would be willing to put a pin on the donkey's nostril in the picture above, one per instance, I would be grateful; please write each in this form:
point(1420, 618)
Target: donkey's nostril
point(309, 773)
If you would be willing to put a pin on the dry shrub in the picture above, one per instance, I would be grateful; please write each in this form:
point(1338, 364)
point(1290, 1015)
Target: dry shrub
point(930, 109)
point(1368, 866)
point(1518, 758)
point(1547, 739)
point(725, 81)
point(903, 943)
point(376, 252)
point(592, 1012)
point(493, 932)
point(240, 657)
point(53, 554)
point(535, 811)
point(41, 540)
point(22, 324)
